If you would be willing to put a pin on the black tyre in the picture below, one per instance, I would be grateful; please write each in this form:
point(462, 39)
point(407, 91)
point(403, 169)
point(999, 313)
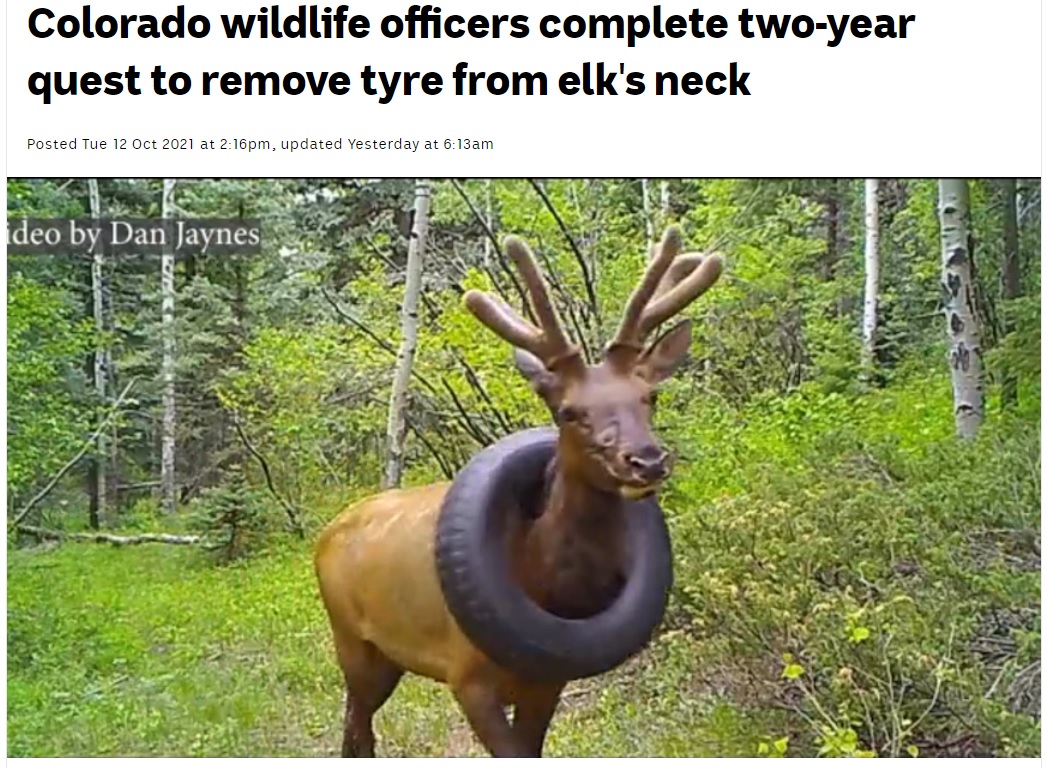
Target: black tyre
point(496, 614)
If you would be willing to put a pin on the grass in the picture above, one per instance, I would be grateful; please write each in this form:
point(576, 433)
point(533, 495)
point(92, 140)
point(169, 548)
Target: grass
point(849, 580)
point(152, 651)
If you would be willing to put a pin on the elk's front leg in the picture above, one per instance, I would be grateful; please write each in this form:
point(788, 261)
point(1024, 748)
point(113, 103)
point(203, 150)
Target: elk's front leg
point(485, 711)
point(534, 711)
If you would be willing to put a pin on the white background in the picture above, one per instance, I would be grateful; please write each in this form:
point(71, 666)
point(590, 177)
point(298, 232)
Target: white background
point(961, 96)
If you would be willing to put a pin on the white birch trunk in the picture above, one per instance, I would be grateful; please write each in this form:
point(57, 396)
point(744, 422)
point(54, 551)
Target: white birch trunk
point(665, 203)
point(872, 272)
point(100, 354)
point(961, 322)
point(167, 367)
point(396, 430)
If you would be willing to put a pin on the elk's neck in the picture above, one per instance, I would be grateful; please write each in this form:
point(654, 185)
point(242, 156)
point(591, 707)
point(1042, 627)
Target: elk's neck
point(573, 556)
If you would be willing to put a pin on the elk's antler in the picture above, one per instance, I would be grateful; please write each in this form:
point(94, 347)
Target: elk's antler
point(671, 282)
point(549, 343)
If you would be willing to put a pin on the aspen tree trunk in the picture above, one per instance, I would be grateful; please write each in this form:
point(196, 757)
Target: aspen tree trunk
point(961, 322)
point(396, 430)
point(664, 203)
point(1012, 285)
point(167, 368)
point(98, 511)
point(872, 272)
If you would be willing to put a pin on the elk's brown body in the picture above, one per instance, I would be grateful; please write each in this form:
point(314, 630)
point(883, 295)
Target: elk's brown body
point(376, 562)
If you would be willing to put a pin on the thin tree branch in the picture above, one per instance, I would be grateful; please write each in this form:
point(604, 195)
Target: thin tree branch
point(392, 265)
point(138, 486)
point(479, 219)
point(498, 251)
point(385, 257)
point(446, 468)
point(586, 275)
point(292, 513)
point(114, 409)
point(382, 343)
point(356, 323)
point(478, 387)
point(568, 304)
point(471, 427)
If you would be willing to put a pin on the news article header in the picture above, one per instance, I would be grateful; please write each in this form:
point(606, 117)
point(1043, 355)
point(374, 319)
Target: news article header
point(293, 24)
point(558, 87)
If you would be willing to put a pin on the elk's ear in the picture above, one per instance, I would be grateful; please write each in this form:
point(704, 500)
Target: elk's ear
point(664, 355)
point(543, 381)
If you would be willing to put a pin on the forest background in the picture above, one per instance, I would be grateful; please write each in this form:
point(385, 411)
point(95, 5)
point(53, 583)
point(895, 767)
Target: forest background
point(855, 513)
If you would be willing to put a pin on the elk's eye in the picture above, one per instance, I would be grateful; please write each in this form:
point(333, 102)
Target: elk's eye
point(569, 414)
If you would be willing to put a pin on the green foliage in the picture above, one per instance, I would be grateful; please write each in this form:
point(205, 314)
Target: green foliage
point(775, 322)
point(233, 518)
point(46, 414)
point(777, 748)
point(1018, 352)
point(145, 515)
point(849, 580)
point(853, 570)
point(312, 399)
point(861, 541)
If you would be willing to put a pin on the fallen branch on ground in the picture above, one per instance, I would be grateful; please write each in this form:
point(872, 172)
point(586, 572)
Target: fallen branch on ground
point(109, 538)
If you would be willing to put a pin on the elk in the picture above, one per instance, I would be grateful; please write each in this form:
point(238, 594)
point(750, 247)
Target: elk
point(375, 561)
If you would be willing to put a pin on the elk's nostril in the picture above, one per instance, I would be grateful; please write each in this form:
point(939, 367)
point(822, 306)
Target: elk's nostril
point(650, 462)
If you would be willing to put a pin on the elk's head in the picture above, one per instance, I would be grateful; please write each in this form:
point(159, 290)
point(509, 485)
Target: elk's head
point(604, 410)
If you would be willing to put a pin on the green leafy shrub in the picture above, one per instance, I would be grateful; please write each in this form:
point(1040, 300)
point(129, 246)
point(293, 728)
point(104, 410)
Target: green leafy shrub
point(863, 548)
point(45, 403)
